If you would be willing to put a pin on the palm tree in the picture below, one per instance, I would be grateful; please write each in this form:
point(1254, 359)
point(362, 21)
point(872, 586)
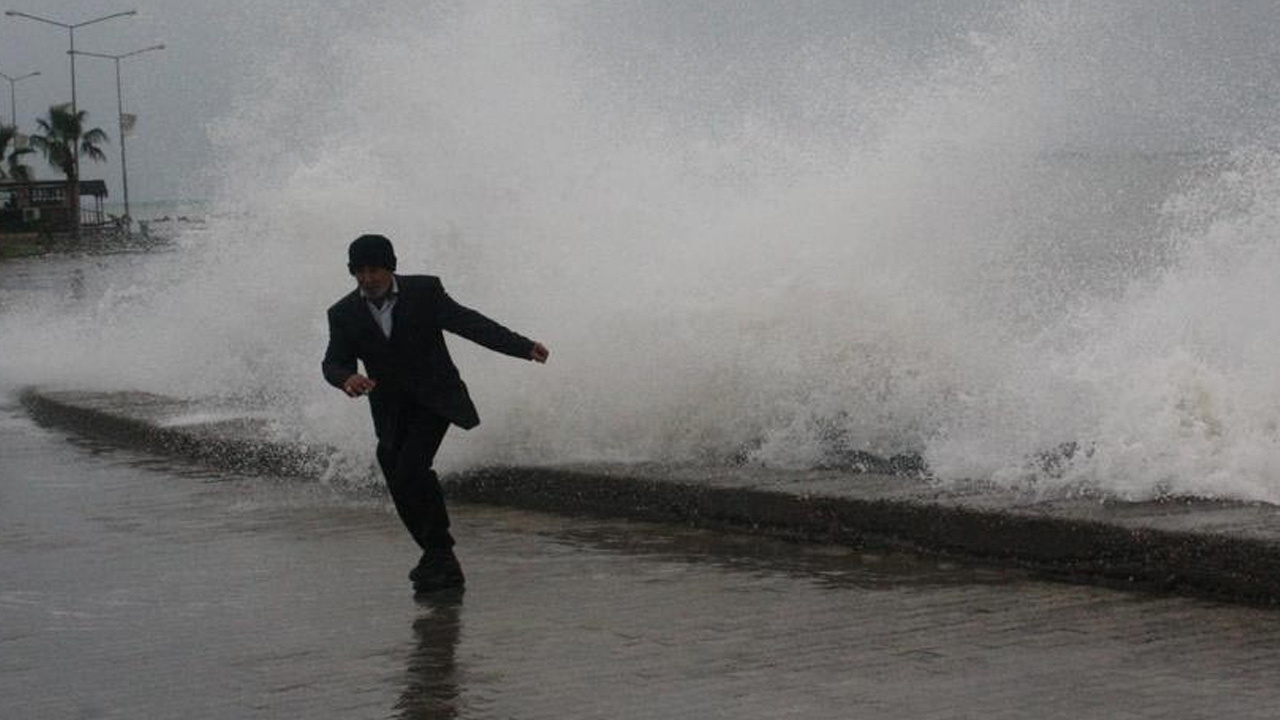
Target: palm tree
point(60, 133)
point(17, 170)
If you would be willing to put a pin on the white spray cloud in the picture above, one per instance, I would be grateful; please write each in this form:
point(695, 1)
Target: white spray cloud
point(950, 258)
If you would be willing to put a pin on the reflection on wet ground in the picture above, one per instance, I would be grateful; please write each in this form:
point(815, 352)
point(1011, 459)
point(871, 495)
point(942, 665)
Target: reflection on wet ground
point(431, 688)
point(822, 565)
point(131, 587)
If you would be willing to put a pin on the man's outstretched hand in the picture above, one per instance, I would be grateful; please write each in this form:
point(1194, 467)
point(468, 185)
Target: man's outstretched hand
point(357, 385)
point(540, 353)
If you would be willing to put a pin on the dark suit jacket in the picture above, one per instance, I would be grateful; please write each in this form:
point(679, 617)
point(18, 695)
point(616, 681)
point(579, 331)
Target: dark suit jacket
point(414, 364)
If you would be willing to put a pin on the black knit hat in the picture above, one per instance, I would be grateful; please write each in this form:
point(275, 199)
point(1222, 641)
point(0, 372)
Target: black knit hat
point(370, 251)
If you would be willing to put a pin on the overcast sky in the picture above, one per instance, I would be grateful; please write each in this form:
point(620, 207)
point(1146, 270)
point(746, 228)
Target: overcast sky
point(215, 51)
point(210, 56)
point(218, 51)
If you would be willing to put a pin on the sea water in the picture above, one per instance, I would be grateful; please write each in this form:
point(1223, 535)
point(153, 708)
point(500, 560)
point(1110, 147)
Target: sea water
point(1033, 243)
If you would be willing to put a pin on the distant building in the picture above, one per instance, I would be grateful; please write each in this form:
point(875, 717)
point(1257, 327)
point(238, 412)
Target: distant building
point(43, 207)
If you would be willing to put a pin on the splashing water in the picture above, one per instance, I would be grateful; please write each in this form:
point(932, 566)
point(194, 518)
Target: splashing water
point(1030, 244)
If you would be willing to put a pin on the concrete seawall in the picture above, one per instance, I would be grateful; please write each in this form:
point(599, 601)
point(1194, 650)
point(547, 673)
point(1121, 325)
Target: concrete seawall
point(1202, 547)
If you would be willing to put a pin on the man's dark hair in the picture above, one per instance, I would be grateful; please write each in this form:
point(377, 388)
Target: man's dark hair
point(371, 251)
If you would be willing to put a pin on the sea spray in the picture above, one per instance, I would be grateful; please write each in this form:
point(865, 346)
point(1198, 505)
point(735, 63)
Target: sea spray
point(1024, 242)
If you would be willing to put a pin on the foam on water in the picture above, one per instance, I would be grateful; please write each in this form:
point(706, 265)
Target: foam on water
point(1035, 245)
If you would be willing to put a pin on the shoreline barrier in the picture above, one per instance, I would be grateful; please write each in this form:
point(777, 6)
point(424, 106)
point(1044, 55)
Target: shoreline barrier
point(1213, 548)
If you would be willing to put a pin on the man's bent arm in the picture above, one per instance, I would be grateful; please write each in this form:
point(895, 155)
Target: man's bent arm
point(339, 358)
point(477, 328)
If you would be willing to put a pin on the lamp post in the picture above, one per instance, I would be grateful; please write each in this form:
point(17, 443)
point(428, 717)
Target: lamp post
point(13, 103)
point(75, 110)
point(124, 160)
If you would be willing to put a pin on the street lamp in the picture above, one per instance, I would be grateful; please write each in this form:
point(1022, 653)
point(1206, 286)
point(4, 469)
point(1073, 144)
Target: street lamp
point(71, 33)
point(13, 103)
point(75, 110)
point(124, 160)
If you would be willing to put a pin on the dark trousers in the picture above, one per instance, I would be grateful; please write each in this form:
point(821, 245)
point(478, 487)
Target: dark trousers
point(408, 439)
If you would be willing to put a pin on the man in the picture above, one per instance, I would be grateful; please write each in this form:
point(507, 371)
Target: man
point(392, 323)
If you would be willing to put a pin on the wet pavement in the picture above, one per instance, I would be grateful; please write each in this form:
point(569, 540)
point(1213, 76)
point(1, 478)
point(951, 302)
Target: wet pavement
point(133, 587)
point(1221, 549)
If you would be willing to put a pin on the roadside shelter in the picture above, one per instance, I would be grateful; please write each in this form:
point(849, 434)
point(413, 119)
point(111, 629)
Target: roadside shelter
point(45, 207)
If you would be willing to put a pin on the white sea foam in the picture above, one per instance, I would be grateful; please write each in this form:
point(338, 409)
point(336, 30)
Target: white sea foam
point(1010, 241)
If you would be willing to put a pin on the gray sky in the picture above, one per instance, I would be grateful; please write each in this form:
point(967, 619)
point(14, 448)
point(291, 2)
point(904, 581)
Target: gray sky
point(1214, 66)
point(210, 56)
point(217, 51)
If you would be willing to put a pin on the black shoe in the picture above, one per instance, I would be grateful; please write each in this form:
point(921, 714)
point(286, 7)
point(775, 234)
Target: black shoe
point(437, 570)
point(416, 572)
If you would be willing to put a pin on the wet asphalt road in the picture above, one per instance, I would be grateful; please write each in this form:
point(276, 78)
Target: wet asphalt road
point(131, 587)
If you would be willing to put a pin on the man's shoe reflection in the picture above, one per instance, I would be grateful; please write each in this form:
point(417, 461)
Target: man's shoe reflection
point(431, 686)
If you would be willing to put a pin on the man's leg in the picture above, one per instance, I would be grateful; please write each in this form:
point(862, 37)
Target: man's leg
point(414, 486)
